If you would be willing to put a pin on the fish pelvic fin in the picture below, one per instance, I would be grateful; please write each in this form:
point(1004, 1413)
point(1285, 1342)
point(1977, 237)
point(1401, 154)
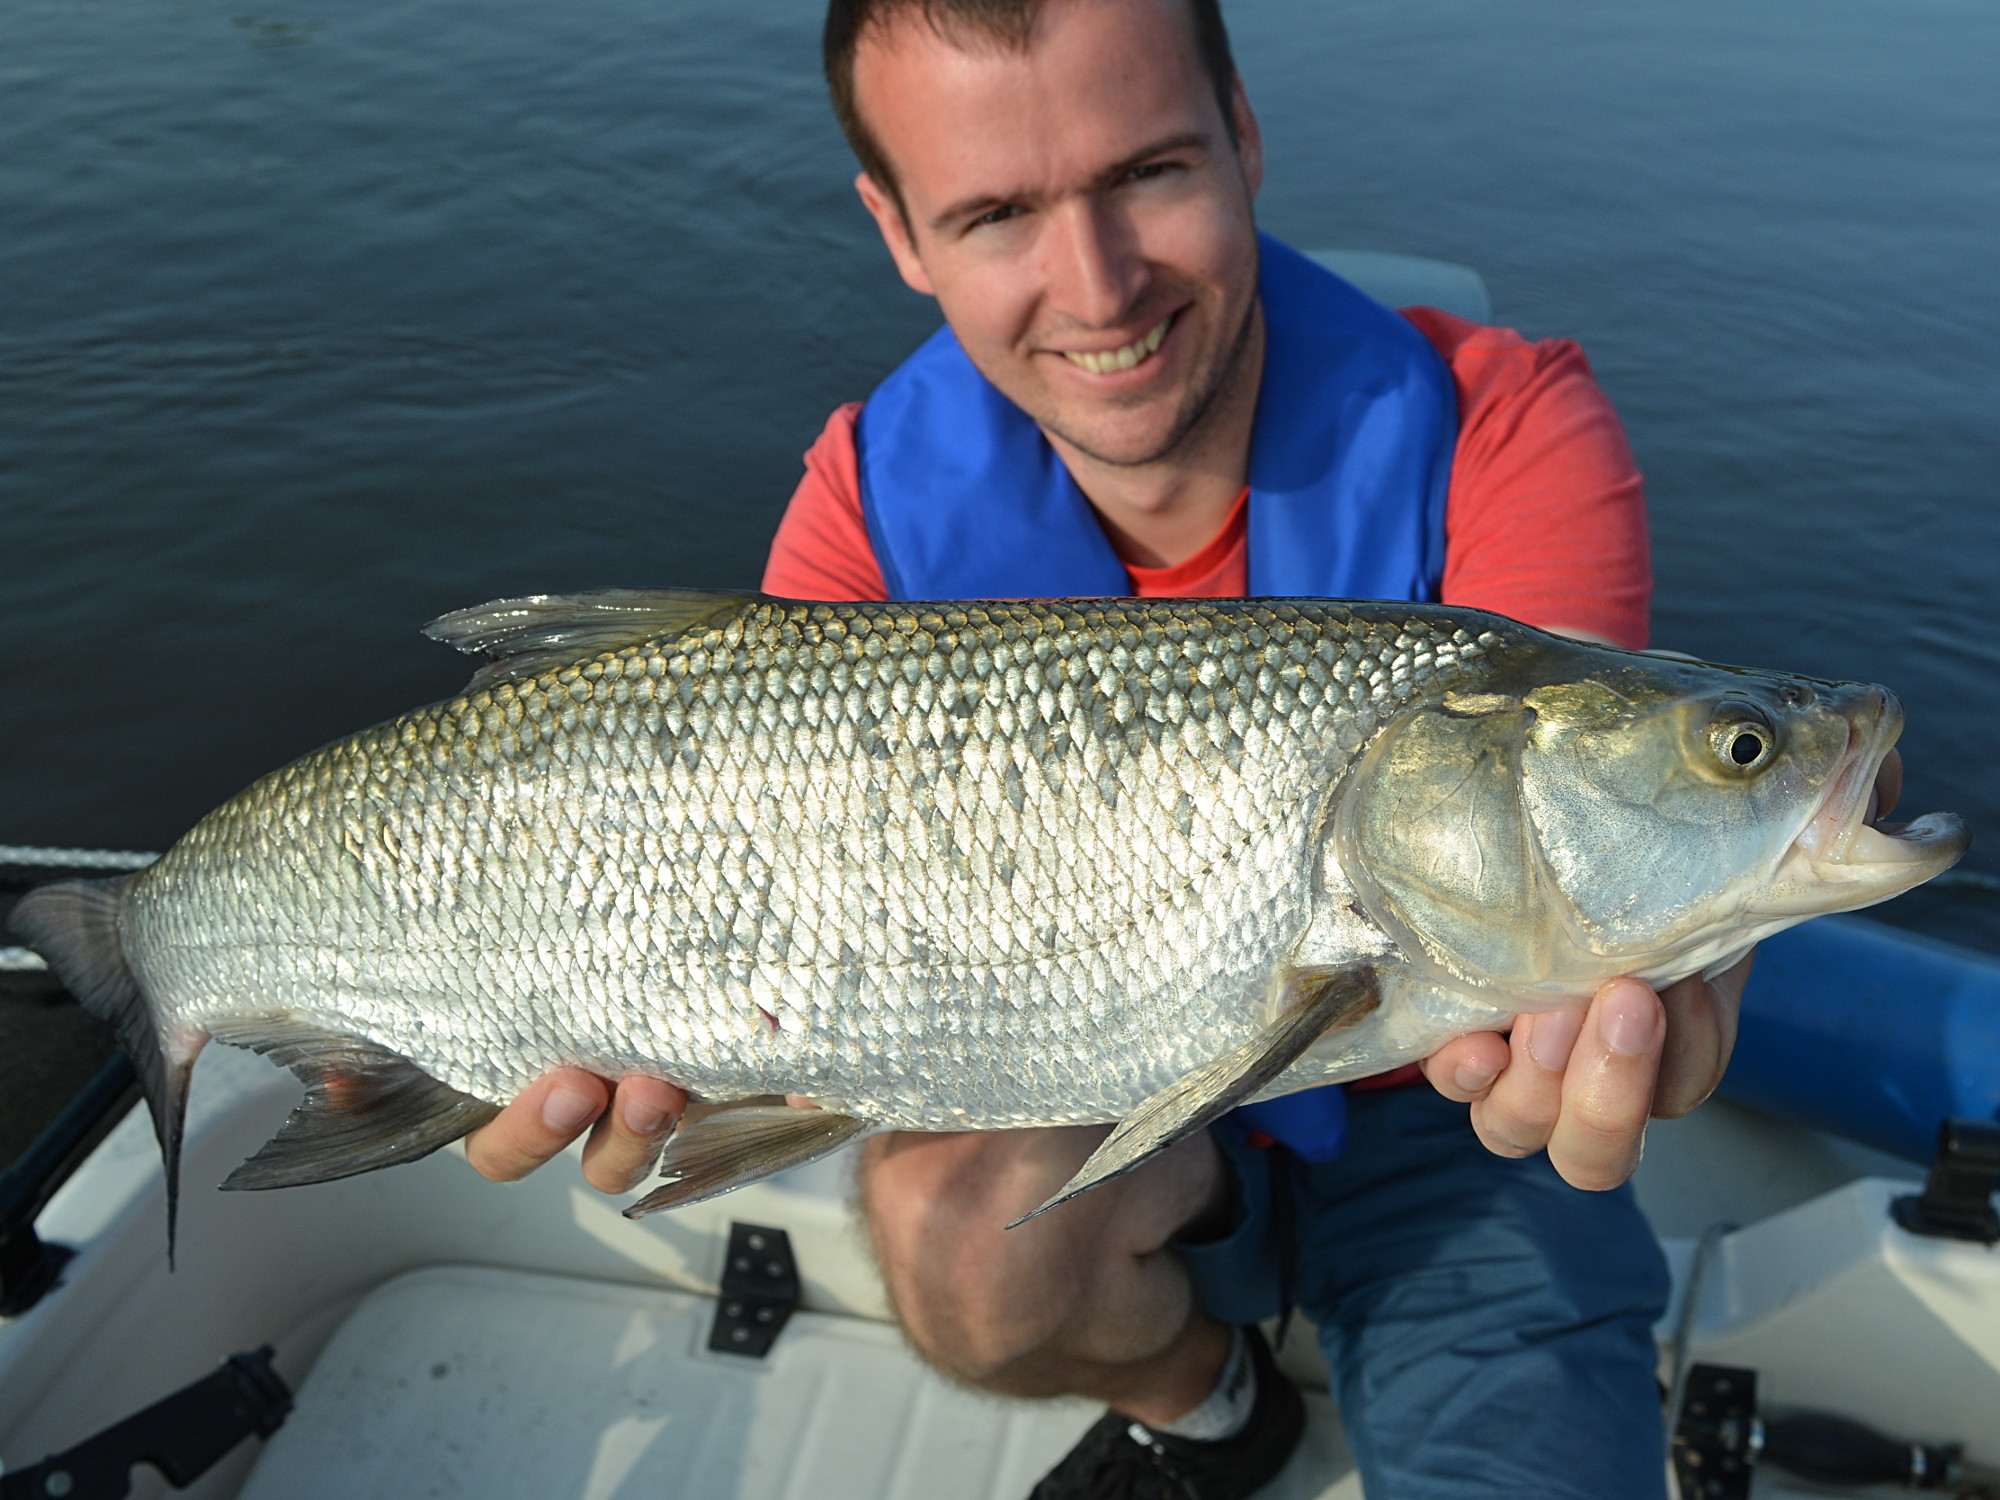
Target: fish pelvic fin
point(734, 1147)
point(1325, 1000)
point(540, 632)
point(74, 924)
point(365, 1106)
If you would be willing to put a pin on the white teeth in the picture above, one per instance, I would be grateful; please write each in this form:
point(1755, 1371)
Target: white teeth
point(1121, 359)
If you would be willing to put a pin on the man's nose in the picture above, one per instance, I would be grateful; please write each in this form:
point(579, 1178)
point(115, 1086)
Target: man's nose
point(1095, 270)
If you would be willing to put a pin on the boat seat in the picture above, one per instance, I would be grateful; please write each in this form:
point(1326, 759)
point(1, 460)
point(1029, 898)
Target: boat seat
point(1412, 281)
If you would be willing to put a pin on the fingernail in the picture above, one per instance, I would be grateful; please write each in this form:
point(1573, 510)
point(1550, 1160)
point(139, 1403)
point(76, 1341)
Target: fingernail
point(642, 1118)
point(1551, 1037)
point(1472, 1080)
point(567, 1111)
point(1629, 1021)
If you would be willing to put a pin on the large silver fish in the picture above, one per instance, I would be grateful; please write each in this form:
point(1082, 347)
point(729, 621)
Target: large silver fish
point(950, 866)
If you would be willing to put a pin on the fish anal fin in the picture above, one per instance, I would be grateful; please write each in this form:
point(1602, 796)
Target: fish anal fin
point(541, 632)
point(1323, 1000)
point(365, 1106)
point(734, 1147)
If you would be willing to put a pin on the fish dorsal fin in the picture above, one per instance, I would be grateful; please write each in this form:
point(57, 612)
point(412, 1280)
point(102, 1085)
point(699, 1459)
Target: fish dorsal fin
point(1324, 1000)
point(739, 1145)
point(539, 632)
point(365, 1106)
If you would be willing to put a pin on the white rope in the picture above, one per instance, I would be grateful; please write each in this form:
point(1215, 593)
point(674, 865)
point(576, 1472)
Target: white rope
point(37, 856)
point(21, 959)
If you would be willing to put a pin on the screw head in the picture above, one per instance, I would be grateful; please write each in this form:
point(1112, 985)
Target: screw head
point(58, 1482)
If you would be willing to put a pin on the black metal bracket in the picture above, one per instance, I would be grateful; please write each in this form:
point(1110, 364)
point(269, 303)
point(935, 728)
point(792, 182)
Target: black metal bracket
point(760, 1288)
point(29, 1267)
point(183, 1436)
point(1716, 1443)
point(1721, 1438)
point(1957, 1200)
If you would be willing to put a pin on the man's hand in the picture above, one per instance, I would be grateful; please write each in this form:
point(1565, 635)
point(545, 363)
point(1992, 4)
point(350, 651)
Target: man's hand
point(554, 1110)
point(1584, 1083)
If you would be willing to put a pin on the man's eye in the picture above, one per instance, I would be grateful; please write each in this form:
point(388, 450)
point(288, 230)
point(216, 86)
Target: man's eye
point(1150, 170)
point(994, 216)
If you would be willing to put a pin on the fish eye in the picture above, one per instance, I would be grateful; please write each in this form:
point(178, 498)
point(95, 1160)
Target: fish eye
point(1740, 738)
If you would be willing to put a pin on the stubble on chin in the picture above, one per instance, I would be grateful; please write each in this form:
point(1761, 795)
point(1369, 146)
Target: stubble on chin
point(1210, 393)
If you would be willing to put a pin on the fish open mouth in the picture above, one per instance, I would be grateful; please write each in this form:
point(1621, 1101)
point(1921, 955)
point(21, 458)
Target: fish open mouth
point(1841, 846)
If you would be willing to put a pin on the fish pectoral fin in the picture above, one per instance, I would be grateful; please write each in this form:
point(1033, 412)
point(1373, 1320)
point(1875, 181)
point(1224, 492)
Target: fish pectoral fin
point(734, 1147)
point(365, 1106)
point(1326, 1001)
point(544, 631)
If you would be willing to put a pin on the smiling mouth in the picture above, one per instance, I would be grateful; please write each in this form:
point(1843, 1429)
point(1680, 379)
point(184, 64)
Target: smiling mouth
point(1110, 360)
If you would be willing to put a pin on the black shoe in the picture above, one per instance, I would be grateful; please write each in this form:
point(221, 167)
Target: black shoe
point(1120, 1459)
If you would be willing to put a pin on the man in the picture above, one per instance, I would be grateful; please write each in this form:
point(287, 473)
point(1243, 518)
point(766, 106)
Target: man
point(1073, 181)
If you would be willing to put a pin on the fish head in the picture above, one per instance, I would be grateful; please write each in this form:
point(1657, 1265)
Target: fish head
point(1595, 812)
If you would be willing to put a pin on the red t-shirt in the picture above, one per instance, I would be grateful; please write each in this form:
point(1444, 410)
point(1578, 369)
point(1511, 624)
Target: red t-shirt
point(1545, 520)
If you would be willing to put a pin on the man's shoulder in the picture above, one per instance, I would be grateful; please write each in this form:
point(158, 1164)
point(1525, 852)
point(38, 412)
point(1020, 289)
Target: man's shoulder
point(1487, 354)
point(822, 550)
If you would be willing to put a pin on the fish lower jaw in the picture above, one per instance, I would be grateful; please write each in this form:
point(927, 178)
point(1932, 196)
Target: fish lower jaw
point(1872, 864)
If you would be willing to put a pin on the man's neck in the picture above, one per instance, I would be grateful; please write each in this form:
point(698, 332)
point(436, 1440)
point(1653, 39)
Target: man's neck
point(1162, 513)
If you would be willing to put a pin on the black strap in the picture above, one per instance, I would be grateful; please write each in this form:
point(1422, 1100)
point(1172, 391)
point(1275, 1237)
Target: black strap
point(1284, 1222)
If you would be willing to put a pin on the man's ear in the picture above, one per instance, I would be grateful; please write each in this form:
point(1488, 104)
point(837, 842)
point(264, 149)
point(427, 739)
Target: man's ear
point(895, 228)
point(1249, 139)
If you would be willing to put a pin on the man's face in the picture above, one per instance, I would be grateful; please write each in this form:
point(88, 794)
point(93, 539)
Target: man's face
point(1079, 212)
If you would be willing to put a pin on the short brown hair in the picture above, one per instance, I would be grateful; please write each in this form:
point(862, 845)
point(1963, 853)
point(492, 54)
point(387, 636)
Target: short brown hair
point(1011, 23)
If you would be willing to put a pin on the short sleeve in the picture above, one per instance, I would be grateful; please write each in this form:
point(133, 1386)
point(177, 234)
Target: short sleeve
point(822, 550)
point(1545, 520)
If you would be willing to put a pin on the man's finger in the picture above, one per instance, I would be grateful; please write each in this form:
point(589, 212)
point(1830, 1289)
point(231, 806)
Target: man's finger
point(1464, 1068)
point(626, 1140)
point(544, 1117)
point(1520, 1112)
point(1701, 1033)
point(1607, 1093)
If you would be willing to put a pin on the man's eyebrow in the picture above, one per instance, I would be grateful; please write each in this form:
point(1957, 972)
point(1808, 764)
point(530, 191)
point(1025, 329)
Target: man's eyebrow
point(984, 202)
point(1195, 139)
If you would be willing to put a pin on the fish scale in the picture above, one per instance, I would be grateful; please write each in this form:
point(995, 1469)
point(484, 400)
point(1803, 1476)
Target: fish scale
point(1083, 826)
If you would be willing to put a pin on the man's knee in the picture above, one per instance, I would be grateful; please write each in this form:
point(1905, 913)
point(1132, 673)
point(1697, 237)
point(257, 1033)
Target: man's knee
point(937, 1207)
point(982, 1299)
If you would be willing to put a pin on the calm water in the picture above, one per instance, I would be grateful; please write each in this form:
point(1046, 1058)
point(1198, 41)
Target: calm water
point(318, 321)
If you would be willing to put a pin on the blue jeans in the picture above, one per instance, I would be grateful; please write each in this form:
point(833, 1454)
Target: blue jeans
point(1489, 1327)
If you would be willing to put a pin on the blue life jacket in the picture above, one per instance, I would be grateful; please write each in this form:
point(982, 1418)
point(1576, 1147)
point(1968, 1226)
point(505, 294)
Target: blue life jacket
point(1350, 457)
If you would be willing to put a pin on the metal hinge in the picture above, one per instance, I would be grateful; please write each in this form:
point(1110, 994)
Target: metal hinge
point(760, 1287)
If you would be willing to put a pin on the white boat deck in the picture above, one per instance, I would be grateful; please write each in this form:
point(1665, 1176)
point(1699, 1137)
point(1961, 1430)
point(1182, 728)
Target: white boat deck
point(609, 1392)
point(572, 1341)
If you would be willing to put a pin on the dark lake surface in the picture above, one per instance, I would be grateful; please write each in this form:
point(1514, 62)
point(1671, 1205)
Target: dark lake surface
point(317, 321)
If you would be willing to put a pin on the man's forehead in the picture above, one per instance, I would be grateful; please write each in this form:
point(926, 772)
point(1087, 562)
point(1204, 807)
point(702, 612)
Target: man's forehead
point(1011, 29)
point(1094, 82)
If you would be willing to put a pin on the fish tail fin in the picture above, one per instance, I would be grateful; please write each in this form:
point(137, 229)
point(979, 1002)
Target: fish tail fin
point(74, 925)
